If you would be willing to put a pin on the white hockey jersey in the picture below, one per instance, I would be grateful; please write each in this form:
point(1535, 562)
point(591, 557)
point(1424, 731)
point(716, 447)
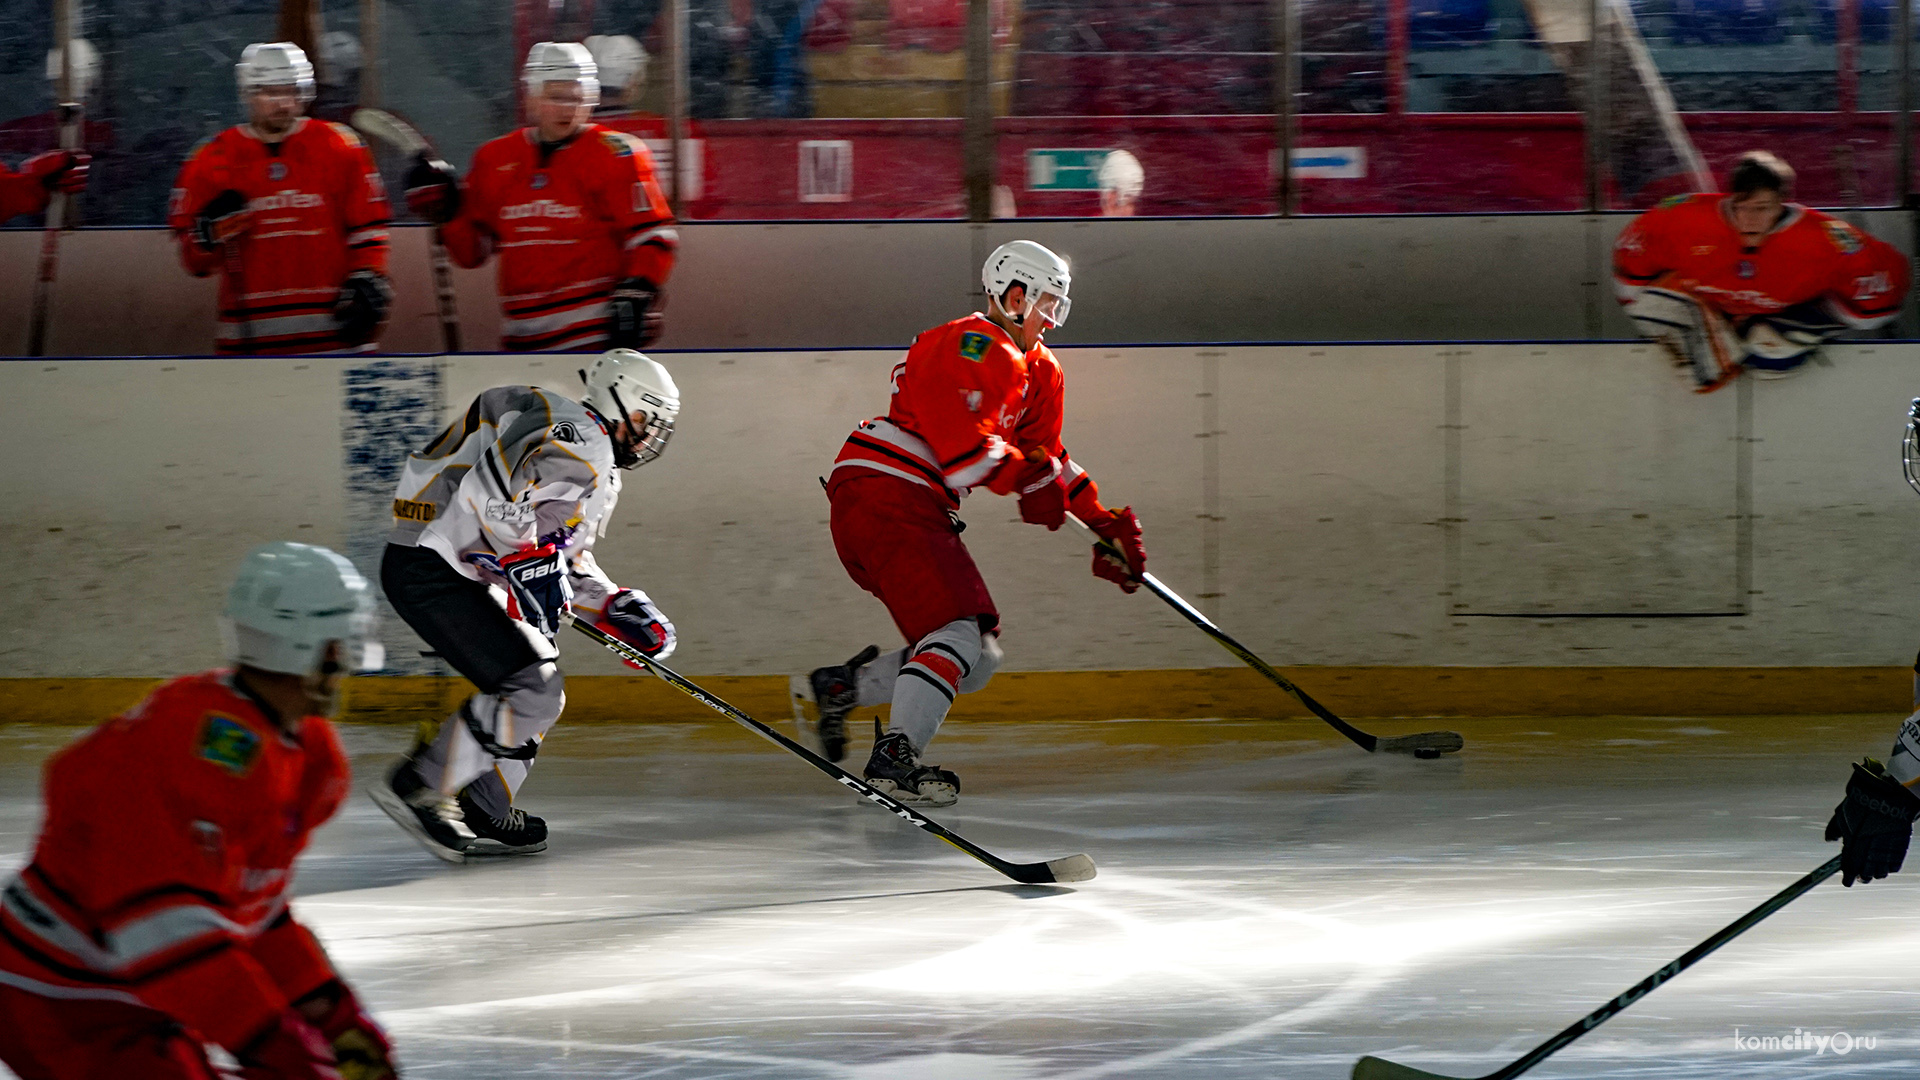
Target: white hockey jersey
point(522, 468)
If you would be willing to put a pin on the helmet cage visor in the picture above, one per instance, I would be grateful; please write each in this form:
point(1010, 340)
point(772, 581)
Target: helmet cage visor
point(644, 442)
point(1910, 447)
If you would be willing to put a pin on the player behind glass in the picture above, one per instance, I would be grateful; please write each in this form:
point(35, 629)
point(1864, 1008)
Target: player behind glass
point(1747, 281)
point(977, 402)
point(509, 500)
point(154, 916)
point(585, 238)
point(27, 191)
point(293, 215)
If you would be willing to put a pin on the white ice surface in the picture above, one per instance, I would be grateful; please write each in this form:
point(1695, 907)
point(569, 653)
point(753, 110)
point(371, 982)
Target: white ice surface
point(1271, 903)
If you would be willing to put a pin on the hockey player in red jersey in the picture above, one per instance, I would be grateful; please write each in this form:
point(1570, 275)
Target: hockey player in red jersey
point(1747, 281)
point(292, 213)
point(977, 403)
point(505, 505)
point(584, 236)
point(154, 916)
point(27, 191)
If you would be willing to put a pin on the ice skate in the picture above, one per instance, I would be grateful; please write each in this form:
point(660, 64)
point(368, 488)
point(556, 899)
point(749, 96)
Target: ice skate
point(896, 770)
point(832, 693)
point(519, 833)
point(435, 820)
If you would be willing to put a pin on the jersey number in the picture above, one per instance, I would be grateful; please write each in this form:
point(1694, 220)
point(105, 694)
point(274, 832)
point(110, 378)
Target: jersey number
point(1866, 288)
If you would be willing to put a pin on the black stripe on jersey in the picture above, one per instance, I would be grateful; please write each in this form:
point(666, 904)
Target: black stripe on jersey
point(1636, 278)
point(1079, 486)
point(589, 331)
point(465, 428)
point(945, 690)
point(949, 466)
point(494, 471)
point(58, 967)
point(904, 458)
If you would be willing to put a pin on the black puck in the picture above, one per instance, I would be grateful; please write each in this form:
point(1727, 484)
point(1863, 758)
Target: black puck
point(1426, 753)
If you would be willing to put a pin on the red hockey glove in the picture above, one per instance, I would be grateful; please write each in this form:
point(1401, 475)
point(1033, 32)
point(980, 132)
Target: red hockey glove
point(1121, 528)
point(1043, 498)
point(288, 1049)
point(433, 190)
point(224, 218)
point(632, 617)
point(633, 315)
point(537, 583)
point(59, 170)
point(360, 1048)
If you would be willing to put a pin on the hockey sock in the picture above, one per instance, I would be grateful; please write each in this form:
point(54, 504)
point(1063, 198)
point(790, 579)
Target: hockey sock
point(931, 677)
point(874, 683)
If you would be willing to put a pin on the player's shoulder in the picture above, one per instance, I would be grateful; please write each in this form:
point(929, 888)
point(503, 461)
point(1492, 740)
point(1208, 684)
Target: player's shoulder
point(1824, 231)
point(206, 717)
point(502, 154)
point(1677, 208)
point(613, 143)
point(973, 338)
point(333, 134)
point(218, 146)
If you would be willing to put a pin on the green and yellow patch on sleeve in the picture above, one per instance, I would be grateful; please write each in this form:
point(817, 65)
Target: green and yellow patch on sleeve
point(229, 743)
point(974, 346)
point(1672, 201)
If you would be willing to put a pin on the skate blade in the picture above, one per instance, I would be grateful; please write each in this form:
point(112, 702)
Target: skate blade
point(402, 814)
point(484, 848)
point(935, 795)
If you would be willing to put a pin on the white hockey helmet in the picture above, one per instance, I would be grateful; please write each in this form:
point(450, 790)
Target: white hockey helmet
point(562, 61)
point(621, 59)
point(289, 600)
point(623, 384)
point(1120, 173)
point(1045, 275)
point(274, 63)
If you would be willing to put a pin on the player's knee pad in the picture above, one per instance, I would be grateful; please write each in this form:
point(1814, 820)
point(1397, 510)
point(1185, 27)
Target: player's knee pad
point(983, 668)
point(510, 723)
point(1664, 313)
point(1786, 339)
point(946, 657)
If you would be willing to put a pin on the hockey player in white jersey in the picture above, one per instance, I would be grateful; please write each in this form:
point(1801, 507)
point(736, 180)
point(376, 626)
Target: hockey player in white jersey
point(1875, 821)
point(491, 551)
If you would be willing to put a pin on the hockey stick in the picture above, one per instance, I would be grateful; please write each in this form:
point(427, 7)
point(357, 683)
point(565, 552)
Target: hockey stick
point(1373, 1068)
point(1069, 868)
point(385, 127)
point(1427, 744)
point(71, 113)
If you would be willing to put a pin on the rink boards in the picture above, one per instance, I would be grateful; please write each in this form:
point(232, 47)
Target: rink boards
point(1470, 529)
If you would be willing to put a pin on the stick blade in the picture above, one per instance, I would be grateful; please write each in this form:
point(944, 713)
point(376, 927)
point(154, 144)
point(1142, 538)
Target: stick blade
point(1434, 742)
point(389, 129)
point(1062, 870)
point(1373, 1068)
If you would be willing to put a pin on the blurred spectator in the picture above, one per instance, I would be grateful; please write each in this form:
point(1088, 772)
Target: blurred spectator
point(1121, 181)
point(780, 78)
point(623, 71)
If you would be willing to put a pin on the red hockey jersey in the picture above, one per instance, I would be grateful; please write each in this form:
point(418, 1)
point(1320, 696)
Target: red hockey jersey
point(20, 194)
point(319, 213)
point(569, 222)
point(1688, 241)
point(967, 409)
point(164, 865)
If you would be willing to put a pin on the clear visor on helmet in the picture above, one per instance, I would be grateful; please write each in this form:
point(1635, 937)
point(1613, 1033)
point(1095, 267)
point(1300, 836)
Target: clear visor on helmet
point(1910, 447)
point(1052, 307)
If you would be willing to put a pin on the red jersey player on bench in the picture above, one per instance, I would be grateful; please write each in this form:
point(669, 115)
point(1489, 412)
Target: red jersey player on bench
point(1747, 281)
point(977, 403)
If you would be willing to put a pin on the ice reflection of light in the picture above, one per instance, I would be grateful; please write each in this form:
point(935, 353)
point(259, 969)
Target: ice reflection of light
point(1086, 944)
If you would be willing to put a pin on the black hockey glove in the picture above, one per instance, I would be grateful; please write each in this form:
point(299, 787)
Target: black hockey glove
point(537, 580)
point(224, 218)
point(1874, 823)
point(433, 190)
point(633, 618)
point(632, 321)
point(365, 298)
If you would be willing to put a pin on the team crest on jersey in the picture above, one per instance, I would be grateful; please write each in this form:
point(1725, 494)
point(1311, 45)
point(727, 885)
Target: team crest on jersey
point(277, 171)
point(539, 181)
point(565, 431)
point(1844, 237)
point(974, 346)
point(1746, 269)
point(1672, 201)
point(229, 743)
point(503, 510)
point(617, 143)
